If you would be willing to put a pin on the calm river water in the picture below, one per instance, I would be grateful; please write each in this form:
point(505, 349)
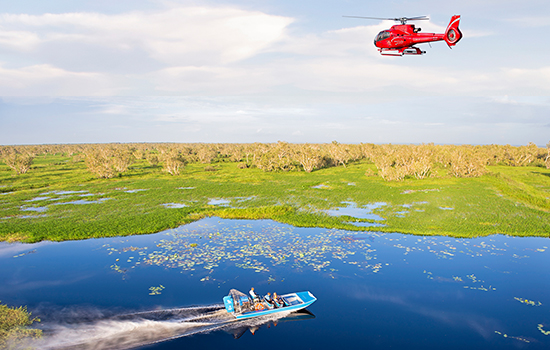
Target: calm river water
point(374, 290)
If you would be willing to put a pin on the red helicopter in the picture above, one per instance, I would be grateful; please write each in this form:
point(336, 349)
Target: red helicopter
point(400, 39)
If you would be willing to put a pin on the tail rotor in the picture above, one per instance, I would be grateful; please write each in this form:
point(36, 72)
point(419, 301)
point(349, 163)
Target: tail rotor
point(452, 33)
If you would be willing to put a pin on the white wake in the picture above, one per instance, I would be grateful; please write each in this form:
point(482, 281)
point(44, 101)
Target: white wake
point(131, 330)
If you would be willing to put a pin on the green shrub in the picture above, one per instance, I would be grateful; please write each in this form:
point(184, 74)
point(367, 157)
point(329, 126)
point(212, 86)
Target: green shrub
point(13, 326)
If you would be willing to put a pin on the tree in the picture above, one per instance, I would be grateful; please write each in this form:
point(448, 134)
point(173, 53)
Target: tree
point(390, 165)
point(267, 161)
point(308, 156)
point(248, 155)
point(99, 160)
point(389, 169)
point(173, 160)
point(152, 157)
point(283, 155)
point(396, 162)
point(421, 161)
point(465, 163)
point(340, 154)
point(206, 153)
point(522, 155)
point(547, 159)
point(276, 157)
point(122, 156)
point(19, 159)
point(233, 151)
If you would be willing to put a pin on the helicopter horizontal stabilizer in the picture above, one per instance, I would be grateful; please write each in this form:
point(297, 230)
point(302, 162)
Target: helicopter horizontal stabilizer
point(452, 33)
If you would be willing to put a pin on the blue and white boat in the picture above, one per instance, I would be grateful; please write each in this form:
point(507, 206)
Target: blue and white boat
point(242, 306)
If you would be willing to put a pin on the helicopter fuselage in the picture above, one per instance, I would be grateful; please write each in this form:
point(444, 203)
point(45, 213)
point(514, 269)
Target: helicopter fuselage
point(400, 39)
point(404, 35)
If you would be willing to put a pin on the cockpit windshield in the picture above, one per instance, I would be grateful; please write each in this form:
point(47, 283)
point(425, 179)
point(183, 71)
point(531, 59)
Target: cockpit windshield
point(382, 35)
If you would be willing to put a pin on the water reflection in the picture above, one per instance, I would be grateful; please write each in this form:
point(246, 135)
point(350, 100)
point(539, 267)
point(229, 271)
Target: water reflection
point(413, 302)
point(219, 201)
point(300, 315)
point(83, 201)
point(363, 212)
point(174, 205)
point(37, 209)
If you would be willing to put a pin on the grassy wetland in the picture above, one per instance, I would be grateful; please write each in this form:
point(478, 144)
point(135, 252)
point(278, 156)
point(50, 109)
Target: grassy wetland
point(72, 192)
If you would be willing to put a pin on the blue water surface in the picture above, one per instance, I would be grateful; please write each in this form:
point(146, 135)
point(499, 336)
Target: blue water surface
point(374, 290)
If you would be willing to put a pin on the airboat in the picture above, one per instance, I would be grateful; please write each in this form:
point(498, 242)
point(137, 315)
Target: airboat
point(242, 306)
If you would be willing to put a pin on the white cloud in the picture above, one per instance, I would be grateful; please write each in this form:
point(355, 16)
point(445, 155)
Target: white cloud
point(176, 36)
point(213, 80)
point(187, 48)
point(531, 21)
point(46, 80)
point(529, 81)
point(522, 100)
point(18, 40)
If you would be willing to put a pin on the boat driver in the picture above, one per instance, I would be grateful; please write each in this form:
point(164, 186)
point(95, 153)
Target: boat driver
point(252, 294)
point(277, 300)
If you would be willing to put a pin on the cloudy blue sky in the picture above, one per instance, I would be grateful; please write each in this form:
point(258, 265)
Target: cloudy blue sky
point(75, 71)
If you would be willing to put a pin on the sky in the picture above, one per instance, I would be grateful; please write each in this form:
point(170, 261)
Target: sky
point(75, 71)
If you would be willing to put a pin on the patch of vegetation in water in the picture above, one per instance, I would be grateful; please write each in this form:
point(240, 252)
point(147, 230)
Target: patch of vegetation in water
point(14, 322)
point(508, 200)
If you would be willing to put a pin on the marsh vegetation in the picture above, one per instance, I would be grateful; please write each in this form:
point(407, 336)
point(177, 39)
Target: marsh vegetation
point(97, 190)
point(14, 322)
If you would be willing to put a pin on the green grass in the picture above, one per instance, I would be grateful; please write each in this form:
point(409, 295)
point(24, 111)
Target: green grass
point(509, 200)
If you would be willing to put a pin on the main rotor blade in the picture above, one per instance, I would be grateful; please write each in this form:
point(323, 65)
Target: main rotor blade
point(417, 18)
point(385, 19)
point(401, 19)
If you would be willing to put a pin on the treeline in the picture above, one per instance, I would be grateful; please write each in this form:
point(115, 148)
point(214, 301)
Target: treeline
point(394, 162)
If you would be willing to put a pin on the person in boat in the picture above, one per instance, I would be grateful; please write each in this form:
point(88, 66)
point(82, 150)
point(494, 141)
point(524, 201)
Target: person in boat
point(277, 300)
point(253, 294)
point(269, 300)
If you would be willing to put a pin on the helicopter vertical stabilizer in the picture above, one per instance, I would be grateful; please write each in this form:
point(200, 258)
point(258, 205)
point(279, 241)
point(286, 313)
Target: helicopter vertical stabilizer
point(453, 34)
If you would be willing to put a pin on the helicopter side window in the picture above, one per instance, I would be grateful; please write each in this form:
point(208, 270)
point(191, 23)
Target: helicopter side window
point(382, 35)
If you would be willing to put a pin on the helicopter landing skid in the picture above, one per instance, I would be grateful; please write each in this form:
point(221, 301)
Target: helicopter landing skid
point(400, 52)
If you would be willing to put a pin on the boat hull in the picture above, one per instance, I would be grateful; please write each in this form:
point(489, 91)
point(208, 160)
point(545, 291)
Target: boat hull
point(294, 302)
